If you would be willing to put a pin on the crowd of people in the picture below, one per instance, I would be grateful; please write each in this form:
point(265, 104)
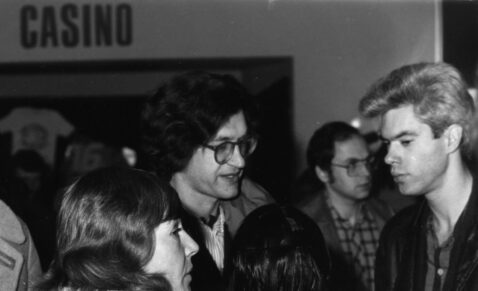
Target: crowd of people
point(191, 218)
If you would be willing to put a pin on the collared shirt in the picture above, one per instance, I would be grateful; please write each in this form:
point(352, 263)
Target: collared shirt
point(359, 241)
point(214, 238)
point(438, 259)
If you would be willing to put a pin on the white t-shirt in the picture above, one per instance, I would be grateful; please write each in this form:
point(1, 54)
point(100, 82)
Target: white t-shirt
point(35, 129)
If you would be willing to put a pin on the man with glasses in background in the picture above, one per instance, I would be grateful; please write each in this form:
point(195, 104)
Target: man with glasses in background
point(339, 181)
point(198, 130)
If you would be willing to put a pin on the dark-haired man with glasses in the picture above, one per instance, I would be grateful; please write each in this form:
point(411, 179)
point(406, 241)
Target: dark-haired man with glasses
point(339, 163)
point(198, 130)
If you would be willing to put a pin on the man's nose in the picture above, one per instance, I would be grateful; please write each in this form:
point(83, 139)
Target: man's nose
point(364, 169)
point(237, 160)
point(391, 156)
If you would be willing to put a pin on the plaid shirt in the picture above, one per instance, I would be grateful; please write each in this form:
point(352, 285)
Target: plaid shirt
point(359, 242)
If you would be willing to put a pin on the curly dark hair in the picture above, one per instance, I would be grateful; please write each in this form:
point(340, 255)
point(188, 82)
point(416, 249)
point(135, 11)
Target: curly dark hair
point(187, 112)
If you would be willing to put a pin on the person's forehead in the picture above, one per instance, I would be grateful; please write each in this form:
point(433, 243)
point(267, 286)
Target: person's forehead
point(354, 147)
point(235, 127)
point(165, 226)
point(400, 121)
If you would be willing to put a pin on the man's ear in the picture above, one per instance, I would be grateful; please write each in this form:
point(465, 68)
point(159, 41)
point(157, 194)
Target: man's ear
point(322, 175)
point(453, 135)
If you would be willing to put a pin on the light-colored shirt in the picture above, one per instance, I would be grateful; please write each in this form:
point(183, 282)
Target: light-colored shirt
point(214, 239)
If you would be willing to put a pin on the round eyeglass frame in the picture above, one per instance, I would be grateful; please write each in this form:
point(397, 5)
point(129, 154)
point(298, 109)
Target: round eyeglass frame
point(229, 147)
point(352, 168)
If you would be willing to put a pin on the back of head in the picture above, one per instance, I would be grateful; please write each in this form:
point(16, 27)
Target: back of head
point(436, 91)
point(105, 231)
point(279, 248)
point(187, 112)
point(321, 147)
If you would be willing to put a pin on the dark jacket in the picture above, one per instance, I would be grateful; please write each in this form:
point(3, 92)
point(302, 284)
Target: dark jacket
point(343, 277)
point(205, 274)
point(401, 256)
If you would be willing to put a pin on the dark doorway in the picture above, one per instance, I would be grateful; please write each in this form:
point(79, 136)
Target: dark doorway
point(103, 100)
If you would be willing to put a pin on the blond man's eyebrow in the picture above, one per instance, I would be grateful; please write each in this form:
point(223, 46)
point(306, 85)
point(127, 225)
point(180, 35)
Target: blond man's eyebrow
point(399, 135)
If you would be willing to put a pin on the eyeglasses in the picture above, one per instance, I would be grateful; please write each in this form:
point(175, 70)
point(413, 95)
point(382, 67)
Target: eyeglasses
point(354, 167)
point(223, 152)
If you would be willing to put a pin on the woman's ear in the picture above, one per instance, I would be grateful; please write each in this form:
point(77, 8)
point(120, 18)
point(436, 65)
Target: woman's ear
point(321, 174)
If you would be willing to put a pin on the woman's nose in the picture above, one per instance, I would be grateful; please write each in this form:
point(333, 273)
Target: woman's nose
point(190, 246)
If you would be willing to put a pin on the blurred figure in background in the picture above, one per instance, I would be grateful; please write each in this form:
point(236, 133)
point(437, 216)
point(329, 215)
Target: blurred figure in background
point(339, 180)
point(31, 193)
point(119, 229)
point(20, 266)
point(279, 248)
point(84, 154)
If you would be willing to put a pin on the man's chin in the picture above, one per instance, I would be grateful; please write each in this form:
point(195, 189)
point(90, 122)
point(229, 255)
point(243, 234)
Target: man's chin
point(362, 193)
point(230, 190)
point(407, 190)
point(230, 196)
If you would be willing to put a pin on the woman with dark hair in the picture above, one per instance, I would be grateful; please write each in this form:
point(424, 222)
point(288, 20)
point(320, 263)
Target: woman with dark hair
point(119, 229)
point(279, 248)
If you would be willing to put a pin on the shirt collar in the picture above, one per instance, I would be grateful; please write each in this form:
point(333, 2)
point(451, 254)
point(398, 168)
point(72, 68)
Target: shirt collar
point(363, 213)
point(214, 218)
